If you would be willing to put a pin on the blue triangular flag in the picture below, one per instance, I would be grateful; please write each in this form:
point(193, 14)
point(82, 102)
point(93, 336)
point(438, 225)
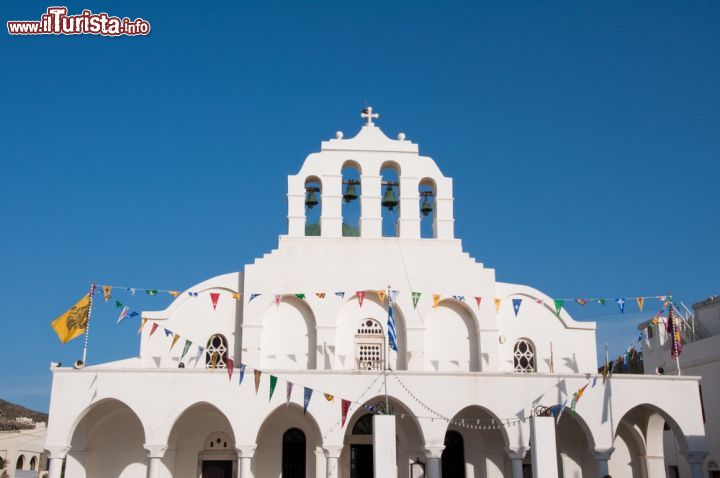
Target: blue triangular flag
point(340, 294)
point(516, 305)
point(621, 304)
point(306, 399)
point(252, 296)
point(242, 372)
point(168, 333)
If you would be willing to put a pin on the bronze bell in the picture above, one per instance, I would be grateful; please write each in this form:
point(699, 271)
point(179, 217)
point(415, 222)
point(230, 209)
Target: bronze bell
point(350, 194)
point(389, 200)
point(311, 200)
point(426, 207)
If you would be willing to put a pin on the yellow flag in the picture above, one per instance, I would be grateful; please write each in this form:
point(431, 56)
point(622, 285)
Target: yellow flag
point(73, 322)
point(497, 304)
point(235, 295)
point(329, 397)
point(106, 292)
point(640, 302)
point(174, 293)
point(436, 301)
point(381, 295)
point(144, 321)
point(176, 337)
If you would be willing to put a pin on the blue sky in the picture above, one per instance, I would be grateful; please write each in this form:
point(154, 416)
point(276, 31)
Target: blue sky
point(583, 138)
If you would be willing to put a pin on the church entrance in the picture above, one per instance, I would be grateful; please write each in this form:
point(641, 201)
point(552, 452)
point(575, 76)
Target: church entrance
point(361, 461)
point(217, 469)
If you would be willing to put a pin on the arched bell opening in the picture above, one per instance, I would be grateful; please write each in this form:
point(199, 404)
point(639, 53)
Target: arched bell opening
point(313, 206)
point(427, 192)
point(390, 199)
point(351, 202)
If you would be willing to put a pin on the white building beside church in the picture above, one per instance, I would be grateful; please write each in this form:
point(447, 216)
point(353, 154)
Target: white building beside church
point(463, 384)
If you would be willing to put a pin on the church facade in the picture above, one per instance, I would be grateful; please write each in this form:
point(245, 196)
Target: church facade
point(295, 364)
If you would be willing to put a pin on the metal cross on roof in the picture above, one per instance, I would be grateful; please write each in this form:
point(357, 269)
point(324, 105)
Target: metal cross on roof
point(368, 114)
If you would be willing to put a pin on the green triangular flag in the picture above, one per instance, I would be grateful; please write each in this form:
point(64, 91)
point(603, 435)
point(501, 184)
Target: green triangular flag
point(601, 301)
point(185, 349)
point(273, 382)
point(151, 291)
point(300, 296)
point(558, 306)
point(415, 298)
point(118, 304)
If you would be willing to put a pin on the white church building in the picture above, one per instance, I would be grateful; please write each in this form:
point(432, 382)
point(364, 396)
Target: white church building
point(477, 360)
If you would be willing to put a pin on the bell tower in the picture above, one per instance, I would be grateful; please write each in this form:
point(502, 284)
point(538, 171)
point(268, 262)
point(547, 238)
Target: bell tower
point(419, 191)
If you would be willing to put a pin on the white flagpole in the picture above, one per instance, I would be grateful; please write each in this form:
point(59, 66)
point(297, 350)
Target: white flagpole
point(387, 358)
point(87, 327)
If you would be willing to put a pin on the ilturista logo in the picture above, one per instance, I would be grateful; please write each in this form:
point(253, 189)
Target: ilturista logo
point(56, 21)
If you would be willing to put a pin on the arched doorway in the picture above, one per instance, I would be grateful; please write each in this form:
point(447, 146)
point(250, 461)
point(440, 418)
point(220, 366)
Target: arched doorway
point(294, 447)
point(483, 438)
point(453, 456)
point(574, 444)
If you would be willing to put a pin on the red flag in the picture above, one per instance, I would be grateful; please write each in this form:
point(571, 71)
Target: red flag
point(214, 296)
point(230, 364)
point(360, 296)
point(674, 331)
point(478, 299)
point(344, 406)
point(154, 328)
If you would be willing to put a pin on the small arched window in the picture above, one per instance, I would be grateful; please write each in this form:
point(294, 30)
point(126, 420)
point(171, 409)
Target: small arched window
point(364, 425)
point(370, 345)
point(33, 463)
point(20, 463)
point(524, 356)
point(293, 454)
point(216, 352)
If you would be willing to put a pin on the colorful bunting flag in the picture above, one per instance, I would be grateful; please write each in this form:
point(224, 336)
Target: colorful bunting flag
point(562, 409)
point(151, 291)
point(230, 363)
point(193, 294)
point(415, 299)
point(340, 294)
point(436, 301)
point(306, 399)
point(394, 295)
point(360, 296)
point(154, 328)
point(123, 313)
point(601, 301)
point(168, 332)
point(118, 304)
point(300, 296)
point(253, 296)
point(646, 335)
point(278, 298)
point(257, 374)
point(273, 383)
point(175, 338)
point(132, 291)
point(200, 352)
point(242, 372)
point(581, 301)
point(214, 297)
point(106, 292)
point(381, 295)
point(558, 306)
point(497, 305)
point(289, 393)
point(344, 407)
point(461, 298)
point(640, 302)
point(478, 300)
point(185, 349)
point(516, 305)
point(142, 324)
point(236, 295)
point(320, 295)
point(329, 397)
point(621, 304)
point(174, 293)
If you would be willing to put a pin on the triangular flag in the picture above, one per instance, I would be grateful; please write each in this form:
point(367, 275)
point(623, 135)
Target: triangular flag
point(436, 301)
point(300, 296)
point(236, 295)
point(214, 297)
point(118, 304)
point(154, 328)
point(257, 380)
point(581, 301)
point(640, 302)
point(621, 304)
point(320, 295)
point(174, 293)
point(277, 298)
point(558, 306)
point(252, 296)
point(601, 301)
point(594, 382)
point(415, 299)
point(516, 305)
point(168, 332)
point(192, 294)
point(562, 409)
point(360, 296)
point(230, 364)
point(478, 300)
point(394, 295)
point(306, 399)
point(185, 348)
point(151, 291)
point(344, 407)
point(106, 292)
point(132, 291)
point(242, 372)
point(176, 337)
point(329, 397)
point(461, 298)
point(381, 295)
point(340, 294)
point(497, 305)
point(289, 392)
point(200, 352)
point(123, 313)
point(273, 383)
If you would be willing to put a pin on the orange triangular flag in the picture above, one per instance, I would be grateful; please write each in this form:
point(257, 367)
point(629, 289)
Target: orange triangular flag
point(497, 304)
point(381, 295)
point(436, 301)
point(144, 321)
point(257, 380)
point(329, 397)
point(640, 302)
point(174, 293)
point(176, 337)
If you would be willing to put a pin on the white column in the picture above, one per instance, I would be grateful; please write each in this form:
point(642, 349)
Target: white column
point(654, 465)
point(331, 218)
point(56, 455)
point(409, 220)
point(517, 455)
point(384, 457)
point(432, 465)
point(602, 455)
point(332, 460)
point(370, 209)
point(245, 455)
point(695, 459)
point(542, 444)
point(155, 455)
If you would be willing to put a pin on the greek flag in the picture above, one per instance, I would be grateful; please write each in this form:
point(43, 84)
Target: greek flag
point(392, 337)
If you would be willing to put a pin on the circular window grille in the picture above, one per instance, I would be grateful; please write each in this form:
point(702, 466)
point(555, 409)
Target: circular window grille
point(523, 357)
